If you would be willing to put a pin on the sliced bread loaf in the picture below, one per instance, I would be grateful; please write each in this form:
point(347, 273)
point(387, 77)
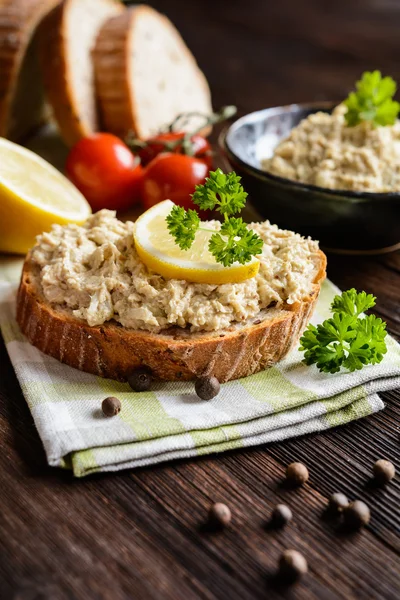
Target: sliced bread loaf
point(67, 37)
point(175, 354)
point(22, 107)
point(146, 75)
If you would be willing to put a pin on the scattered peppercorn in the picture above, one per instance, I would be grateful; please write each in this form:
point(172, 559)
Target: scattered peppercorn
point(297, 473)
point(140, 380)
point(384, 471)
point(356, 515)
point(338, 503)
point(292, 565)
point(281, 515)
point(111, 406)
point(220, 515)
point(207, 387)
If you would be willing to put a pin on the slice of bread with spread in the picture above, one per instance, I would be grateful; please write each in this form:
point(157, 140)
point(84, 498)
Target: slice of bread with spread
point(145, 75)
point(22, 106)
point(67, 38)
point(86, 299)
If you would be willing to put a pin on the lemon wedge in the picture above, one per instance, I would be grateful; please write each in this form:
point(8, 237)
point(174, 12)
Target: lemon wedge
point(159, 252)
point(33, 196)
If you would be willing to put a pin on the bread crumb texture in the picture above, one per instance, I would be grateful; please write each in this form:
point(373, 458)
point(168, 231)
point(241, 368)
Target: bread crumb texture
point(94, 272)
point(322, 150)
point(176, 85)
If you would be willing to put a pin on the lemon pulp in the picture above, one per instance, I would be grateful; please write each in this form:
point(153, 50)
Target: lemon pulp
point(33, 196)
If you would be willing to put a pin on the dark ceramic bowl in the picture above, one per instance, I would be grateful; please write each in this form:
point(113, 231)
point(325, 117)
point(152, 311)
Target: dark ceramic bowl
point(345, 221)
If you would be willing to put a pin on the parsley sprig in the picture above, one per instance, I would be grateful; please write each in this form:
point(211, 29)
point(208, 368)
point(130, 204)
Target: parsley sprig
point(348, 339)
point(372, 101)
point(234, 242)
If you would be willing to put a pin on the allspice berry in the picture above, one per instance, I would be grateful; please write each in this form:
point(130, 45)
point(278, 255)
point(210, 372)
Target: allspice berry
point(207, 387)
point(281, 515)
point(338, 502)
point(292, 565)
point(111, 406)
point(356, 515)
point(296, 474)
point(220, 515)
point(384, 471)
point(140, 379)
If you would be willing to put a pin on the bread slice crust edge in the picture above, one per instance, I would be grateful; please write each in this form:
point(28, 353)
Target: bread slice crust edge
point(56, 68)
point(19, 20)
point(116, 93)
point(114, 352)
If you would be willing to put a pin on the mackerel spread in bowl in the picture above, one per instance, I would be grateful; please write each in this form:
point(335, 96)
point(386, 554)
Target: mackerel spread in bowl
point(323, 151)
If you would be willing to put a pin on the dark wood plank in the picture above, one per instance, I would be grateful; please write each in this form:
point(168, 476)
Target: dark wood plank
point(139, 534)
point(151, 520)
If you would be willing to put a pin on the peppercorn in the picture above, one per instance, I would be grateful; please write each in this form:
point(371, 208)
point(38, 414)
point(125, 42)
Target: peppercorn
point(356, 515)
point(140, 379)
point(338, 502)
point(384, 471)
point(292, 565)
point(281, 515)
point(111, 406)
point(207, 387)
point(220, 515)
point(296, 474)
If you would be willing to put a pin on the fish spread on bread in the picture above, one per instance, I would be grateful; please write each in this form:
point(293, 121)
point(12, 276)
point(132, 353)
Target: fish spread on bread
point(94, 272)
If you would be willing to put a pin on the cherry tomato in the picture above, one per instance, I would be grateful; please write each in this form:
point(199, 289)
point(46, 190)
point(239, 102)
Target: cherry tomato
point(106, 172)
point(156, 145)
point(173, 177)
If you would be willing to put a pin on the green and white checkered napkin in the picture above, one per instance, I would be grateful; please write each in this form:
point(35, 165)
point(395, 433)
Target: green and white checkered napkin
point(170, 422)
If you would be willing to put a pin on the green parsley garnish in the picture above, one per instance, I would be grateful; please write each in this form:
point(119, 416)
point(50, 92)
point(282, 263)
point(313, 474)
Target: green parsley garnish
point(182, 225)
point(348, 339)
point(234, 242)
point(373, 101)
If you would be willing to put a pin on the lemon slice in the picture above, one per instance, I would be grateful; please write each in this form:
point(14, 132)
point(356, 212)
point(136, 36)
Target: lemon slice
point(33, 196)
point(159, 252)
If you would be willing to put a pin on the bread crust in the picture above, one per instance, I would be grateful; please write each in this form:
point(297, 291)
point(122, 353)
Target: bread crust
point(111, 68)
point(18, 23)
point(56, 67)
point(118, 106)
point(113, 351)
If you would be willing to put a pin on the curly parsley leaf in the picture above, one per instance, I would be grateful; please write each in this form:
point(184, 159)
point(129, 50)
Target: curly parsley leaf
point(346, 339)
point(328, 359)
point(234, 242)
point(372, 101)
point(183, 225)
point(222, 192)
point(352, 302)
point(368, 346)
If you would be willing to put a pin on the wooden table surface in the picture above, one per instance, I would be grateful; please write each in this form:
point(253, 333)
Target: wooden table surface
point(139, 534)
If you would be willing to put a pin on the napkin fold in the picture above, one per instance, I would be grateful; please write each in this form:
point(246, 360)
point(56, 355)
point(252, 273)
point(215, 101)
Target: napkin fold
point(170, 421)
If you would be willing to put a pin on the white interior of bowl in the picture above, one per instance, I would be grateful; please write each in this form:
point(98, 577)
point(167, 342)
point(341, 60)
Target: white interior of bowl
point(254, 137)
point(265, 146)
